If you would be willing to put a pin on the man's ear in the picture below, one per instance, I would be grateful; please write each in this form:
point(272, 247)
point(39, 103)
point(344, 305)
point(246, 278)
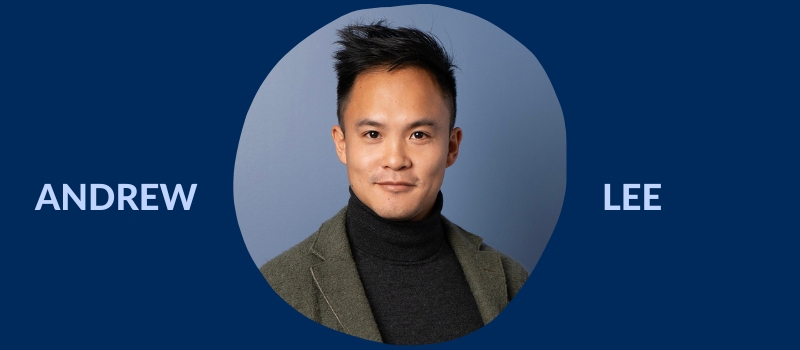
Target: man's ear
point(453, 144)
point(338, 141)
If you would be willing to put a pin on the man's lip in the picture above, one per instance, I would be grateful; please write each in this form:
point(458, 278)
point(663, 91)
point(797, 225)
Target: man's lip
point(393, 183)
point(396, 187)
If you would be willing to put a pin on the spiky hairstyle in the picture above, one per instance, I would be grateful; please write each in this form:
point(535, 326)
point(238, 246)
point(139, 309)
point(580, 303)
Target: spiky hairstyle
point(369, 46)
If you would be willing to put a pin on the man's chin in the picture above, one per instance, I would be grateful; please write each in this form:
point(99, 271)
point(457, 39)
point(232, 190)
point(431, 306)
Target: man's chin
point(407, 213)
point(395, 206)
point(395, 214)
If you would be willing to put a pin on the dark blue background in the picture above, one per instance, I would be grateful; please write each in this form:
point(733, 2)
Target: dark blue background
point(701, 98)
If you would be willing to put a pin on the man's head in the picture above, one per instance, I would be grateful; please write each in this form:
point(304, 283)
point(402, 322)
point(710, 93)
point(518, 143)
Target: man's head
point(396, 103)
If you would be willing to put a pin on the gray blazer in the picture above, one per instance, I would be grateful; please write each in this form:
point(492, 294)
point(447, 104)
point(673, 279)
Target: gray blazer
point(318, 277)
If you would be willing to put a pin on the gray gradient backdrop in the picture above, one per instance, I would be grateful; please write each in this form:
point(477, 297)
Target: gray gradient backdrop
point(509, 180)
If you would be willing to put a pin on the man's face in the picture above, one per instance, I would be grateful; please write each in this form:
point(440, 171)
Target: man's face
point(398, 141)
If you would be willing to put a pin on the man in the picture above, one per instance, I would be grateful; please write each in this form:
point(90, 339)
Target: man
point(388, 267)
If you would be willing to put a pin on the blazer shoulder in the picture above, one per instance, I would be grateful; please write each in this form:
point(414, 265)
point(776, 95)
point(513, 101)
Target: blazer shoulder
point(516, 274)
point(289, 274)
point(286, 266)
point(297, 260)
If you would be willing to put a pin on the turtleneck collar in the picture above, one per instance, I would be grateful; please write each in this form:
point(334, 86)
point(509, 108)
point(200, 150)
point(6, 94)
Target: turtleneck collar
point(403, 241)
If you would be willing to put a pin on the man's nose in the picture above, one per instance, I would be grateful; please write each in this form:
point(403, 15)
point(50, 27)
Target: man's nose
point(395, 155)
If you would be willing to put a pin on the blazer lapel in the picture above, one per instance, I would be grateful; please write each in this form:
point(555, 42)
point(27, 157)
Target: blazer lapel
point(337, 279)
point(483, 270)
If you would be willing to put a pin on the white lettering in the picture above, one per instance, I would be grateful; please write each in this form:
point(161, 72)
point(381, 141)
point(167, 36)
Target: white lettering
point(67, 193)
point(47, 190)
point(123, 198)
point(648, 197)
point(170, 200)
point(108, 190)
point(146, 196)
point(627, 196)
point(126, 193)
point(608, 199)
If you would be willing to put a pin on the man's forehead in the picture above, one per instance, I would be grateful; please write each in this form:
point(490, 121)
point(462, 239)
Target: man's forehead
point(401, 98)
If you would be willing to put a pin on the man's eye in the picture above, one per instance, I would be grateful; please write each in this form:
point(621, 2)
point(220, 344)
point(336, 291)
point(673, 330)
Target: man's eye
point(418, 135)
point(373, 134)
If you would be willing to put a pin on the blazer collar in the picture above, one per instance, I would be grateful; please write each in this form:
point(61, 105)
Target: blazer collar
point(337, 279)
point(482, 268)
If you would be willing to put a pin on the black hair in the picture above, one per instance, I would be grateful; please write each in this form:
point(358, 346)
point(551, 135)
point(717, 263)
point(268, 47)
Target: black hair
point(367, 46)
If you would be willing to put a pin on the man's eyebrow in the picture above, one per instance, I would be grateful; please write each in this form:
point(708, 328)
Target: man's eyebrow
point(423, 122)
point(369, 122)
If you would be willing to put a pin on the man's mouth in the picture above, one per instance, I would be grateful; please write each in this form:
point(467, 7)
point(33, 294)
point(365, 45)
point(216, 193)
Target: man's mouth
point(395, 186)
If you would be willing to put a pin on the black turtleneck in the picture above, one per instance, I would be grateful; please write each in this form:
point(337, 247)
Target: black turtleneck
point(412, 278)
